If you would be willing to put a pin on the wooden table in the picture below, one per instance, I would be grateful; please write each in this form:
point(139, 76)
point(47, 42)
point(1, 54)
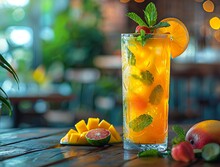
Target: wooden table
point(40, 147)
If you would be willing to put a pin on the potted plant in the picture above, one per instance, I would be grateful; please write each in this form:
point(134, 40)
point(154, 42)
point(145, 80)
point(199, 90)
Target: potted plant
point(3, 96)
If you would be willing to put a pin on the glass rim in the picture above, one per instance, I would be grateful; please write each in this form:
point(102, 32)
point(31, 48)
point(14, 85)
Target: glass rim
point(154, 35)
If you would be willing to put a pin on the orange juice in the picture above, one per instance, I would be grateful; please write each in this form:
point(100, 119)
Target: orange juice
point(146, 79)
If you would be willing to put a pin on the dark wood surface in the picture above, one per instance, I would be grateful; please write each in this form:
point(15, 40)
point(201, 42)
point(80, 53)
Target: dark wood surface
point(40, 147)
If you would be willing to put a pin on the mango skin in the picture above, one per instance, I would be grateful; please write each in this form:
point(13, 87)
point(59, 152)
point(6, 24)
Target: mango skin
point(204, 132)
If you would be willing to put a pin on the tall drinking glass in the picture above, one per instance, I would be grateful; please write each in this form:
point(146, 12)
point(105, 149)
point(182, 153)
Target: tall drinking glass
point(146, 79)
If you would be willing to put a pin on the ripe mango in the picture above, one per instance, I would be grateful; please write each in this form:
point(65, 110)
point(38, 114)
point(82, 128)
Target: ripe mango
point(204, 132)
point(114, 133)
point(81, 126)
point(77, 137)
point(104, 124)
point(92, 123)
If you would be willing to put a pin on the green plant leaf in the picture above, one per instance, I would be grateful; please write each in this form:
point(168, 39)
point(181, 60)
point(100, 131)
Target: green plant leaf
point(141, 122)
point(131, 58)
point(161, 24)
point(149, 153)
point(145, 77)
point(142, 38)
point(180, 134)
point(156, 95)
point(150, 14)
point(6, 103)
point(8, 67)
point(136, 18)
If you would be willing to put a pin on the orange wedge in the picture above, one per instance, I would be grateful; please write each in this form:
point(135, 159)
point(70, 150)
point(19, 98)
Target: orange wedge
point(179, 35)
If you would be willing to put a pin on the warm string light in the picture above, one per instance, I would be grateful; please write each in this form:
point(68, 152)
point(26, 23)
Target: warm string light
point(214, 22)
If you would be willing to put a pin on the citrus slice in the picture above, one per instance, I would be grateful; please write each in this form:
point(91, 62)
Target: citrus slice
point(98, 137)
point(179, 35)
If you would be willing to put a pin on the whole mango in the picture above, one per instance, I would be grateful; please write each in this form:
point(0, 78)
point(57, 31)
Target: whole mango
point(204, 132)
point(183, 152)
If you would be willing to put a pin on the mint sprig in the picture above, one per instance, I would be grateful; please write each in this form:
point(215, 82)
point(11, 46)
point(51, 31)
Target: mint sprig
point(136, 19)
point(180, 134)
point(150, 16)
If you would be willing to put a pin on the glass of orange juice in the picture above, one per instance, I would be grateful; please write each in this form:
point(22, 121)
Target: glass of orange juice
point(145, 82)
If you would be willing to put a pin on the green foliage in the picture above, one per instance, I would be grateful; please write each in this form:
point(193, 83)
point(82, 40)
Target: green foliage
point(150, 16)
point(180, 134)
point(3, 96)
point(77, 37)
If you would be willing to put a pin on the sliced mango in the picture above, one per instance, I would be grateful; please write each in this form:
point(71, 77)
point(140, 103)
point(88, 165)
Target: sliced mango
point(72, 131)
point(115, 133)
point(81, 126)
point(104, 124)
point(113, 140)
point(92, 123)
point(74, 138)
point(82, 139)
point(65, 139)
point(77, 137)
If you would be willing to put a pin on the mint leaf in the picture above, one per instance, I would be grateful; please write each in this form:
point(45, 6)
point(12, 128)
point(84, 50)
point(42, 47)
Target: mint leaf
point(150, 14)
point(145, 77)
point(161, 24)
point(141, 122)
point(142, 38)
point(131, 58)
point(154, 153)
point(136, 18)
point(180, 134)
point(156, 95)
point(149, 153)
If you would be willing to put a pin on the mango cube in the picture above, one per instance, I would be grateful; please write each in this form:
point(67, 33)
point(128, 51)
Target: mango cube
point(115, 133)
point(104, 124)
point(74, 138)
point(71, 131)
point(92, 123)
point(112, 140)
point(82, 139)
point(81, 126)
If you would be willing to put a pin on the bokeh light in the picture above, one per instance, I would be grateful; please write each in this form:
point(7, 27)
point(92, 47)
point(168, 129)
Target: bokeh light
point(139, 1)
point(18, 14)
point(3, 45)
point(214, 22)
point(208, 6)
point(124, 1)
point(19, 35)
point(20, 3)
point(217, 35)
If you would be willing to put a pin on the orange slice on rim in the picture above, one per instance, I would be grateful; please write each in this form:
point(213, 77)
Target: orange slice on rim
point(179, 35)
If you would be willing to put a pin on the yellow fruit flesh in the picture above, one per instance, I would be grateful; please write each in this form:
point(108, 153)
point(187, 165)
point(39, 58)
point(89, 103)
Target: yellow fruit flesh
point(104, 124)
point(82, 139)
point(74, 137)
point(78, 137)
point(92, 123)
point(114, 133)
point(81, 126)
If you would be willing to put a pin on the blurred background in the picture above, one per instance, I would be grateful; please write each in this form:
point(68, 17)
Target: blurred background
point(67, 56)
